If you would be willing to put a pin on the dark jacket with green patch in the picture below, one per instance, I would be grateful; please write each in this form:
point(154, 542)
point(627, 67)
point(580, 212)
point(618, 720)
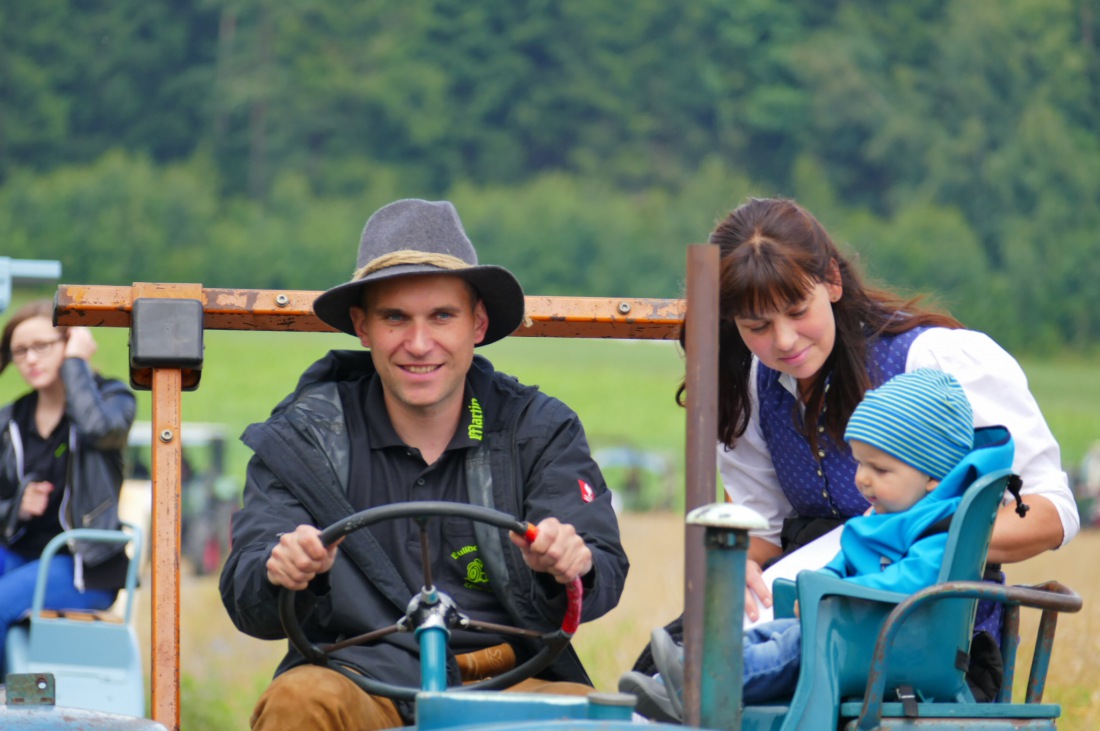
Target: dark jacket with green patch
point(299, 475)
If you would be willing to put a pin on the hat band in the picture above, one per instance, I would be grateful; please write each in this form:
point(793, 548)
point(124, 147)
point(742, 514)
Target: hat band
point(409, 256)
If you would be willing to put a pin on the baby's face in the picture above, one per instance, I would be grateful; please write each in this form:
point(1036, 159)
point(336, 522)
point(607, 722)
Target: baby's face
point(890, 485)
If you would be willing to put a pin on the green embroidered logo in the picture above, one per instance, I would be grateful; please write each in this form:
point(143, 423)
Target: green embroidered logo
point(477, 421)
point(61, 448)
point(476, 576)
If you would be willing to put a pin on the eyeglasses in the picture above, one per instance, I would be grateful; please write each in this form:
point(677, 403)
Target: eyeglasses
point(37, 348)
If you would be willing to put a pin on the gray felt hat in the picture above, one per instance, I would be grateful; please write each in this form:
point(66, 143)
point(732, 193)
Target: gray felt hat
point(409, 237)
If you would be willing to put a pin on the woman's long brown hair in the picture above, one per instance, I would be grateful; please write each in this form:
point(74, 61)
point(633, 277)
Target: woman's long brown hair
point(773, 253)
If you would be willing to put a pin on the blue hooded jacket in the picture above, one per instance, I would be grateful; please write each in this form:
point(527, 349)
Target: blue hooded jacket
point(891, 551)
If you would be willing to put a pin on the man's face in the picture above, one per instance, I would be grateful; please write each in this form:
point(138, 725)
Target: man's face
point(421, 331)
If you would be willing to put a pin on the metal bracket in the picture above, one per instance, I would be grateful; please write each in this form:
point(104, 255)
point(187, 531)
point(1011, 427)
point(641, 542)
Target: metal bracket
point(31, 689)
point(166, 333)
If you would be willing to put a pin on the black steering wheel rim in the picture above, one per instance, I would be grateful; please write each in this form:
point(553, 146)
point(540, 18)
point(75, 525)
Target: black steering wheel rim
point(552, 642)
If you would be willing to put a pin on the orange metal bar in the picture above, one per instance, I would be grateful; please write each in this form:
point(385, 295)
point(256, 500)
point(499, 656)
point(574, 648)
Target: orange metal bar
point(167, 476)
point(603, 317)
point(292, 310)
point(167, 457)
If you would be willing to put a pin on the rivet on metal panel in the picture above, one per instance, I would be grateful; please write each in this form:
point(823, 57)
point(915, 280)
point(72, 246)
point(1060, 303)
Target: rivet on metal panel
point(624, 307)
point(282, 300)
point(166, 435)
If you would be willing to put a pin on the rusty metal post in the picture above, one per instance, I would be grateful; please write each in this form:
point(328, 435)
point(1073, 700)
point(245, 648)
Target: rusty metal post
point(701, 347)
point(167, 456)
point(167, 476)
point(1040, 662)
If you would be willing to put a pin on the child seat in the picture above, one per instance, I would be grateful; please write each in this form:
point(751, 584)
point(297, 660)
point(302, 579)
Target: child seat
point(94, 656)
point(924, 648)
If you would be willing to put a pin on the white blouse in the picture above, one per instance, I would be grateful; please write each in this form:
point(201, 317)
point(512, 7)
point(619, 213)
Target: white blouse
point(999, 396)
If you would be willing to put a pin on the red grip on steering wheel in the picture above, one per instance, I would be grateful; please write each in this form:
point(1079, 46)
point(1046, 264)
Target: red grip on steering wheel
point(574, 592)
point(531, 533)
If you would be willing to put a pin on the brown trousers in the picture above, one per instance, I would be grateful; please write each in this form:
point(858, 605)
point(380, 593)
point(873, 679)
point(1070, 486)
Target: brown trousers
point(313, 697)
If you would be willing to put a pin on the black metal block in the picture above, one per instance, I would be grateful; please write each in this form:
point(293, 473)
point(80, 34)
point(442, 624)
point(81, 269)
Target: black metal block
point(166, 333)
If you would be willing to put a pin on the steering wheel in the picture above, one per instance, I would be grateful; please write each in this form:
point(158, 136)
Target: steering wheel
point(431, 607)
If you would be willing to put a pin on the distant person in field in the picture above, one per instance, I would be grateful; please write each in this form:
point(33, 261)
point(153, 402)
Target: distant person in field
point(916, 453)
point(801, 339)
point(61, 448)
point(401, 422)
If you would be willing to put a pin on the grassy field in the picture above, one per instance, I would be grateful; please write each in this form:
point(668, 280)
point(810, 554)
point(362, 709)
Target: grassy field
point(624, 394)
point(1068, 391)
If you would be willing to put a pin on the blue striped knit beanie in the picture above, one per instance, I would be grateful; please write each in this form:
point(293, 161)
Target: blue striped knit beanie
point(922, 418)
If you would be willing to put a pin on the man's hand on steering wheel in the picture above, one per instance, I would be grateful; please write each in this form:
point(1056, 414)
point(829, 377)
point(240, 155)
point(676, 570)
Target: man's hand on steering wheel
point(298, 557)
point(558, 550)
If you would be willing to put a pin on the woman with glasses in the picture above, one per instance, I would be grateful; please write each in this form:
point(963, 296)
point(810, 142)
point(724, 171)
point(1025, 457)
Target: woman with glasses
point(61, 448)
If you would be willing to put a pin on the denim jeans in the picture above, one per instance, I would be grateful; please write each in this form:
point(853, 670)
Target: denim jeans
point(17, 579)
point(773, 654)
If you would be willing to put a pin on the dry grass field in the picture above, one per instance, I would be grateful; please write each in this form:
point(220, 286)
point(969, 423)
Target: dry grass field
point(1074, 679)
point(224, 671)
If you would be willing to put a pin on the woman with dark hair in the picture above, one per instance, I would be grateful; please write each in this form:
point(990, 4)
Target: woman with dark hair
point(801, 340)
point(61, 452)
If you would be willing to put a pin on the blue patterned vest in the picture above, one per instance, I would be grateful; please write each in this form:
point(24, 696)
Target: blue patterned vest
point(825, 486)
point(821, 485)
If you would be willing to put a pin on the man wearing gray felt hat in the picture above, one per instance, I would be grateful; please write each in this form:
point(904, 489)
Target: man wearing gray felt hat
point(418, 417)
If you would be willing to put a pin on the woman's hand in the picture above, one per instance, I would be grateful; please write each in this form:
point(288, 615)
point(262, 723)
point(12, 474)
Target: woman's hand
point(760, 551)
point(80, 344)
point(35, 499)
point(755, 586)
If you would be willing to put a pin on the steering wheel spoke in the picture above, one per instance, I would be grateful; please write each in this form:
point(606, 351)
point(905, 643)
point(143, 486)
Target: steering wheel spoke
point(502, 629)
point(362, 639)
point(425, 552)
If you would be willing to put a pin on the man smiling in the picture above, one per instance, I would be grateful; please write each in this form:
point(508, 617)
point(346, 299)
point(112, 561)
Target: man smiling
point(416, 418)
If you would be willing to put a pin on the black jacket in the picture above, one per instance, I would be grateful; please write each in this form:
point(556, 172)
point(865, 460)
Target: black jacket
point(101, 412)
point(299, 475)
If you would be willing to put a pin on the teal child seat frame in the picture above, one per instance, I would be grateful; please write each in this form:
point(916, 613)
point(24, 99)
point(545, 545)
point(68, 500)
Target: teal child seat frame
point(96, 662)
point(858, 643)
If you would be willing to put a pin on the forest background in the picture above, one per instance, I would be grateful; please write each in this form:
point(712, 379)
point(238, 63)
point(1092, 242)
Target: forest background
point(242, 143)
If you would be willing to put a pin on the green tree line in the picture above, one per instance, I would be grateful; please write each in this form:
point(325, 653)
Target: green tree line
point(241, 143)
